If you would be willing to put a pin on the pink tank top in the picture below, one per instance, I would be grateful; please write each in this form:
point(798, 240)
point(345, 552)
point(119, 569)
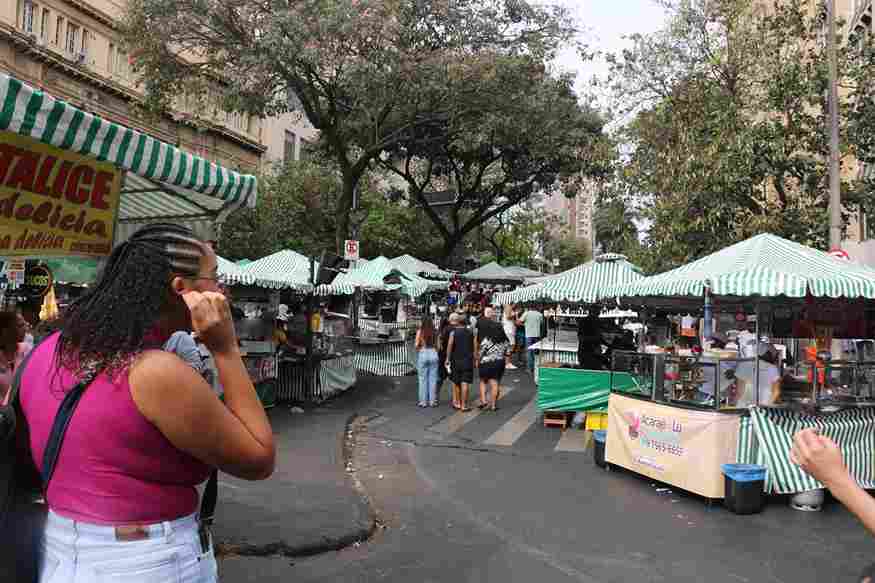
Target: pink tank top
point(115, 467)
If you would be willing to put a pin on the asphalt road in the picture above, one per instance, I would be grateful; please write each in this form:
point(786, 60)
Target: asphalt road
point(498, 497)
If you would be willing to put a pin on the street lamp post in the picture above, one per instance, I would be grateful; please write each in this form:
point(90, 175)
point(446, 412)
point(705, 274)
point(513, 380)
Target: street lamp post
point(835, 213)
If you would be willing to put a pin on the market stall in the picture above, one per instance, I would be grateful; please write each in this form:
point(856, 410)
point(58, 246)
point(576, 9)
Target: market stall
point(573, 293)
point(310, 359)
point(743, 401)
point(387, 315)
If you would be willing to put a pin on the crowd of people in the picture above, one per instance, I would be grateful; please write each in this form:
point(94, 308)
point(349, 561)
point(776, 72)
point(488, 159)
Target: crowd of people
point(457, 343)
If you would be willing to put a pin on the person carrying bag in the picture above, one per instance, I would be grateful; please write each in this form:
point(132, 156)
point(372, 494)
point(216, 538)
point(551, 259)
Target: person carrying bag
point(22, 509)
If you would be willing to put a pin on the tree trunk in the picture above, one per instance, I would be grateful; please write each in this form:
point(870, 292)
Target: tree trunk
point(344, 205)
point(450, 243)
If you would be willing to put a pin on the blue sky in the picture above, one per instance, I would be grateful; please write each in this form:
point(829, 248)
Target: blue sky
point(604, 23)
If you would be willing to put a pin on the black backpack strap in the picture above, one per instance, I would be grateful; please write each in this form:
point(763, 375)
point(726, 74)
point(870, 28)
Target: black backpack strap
point(59, 429)
point(211, 496)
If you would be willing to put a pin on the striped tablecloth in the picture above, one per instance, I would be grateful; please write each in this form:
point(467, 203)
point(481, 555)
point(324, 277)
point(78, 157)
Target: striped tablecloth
point(394, 358)
point(767, 435)
point(330, 377)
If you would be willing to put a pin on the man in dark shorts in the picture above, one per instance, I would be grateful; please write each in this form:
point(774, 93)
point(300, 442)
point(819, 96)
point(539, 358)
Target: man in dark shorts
point(491, 347)
point(460, 361)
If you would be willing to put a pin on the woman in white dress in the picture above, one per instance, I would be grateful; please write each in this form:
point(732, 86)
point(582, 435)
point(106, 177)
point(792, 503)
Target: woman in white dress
point(508, 322)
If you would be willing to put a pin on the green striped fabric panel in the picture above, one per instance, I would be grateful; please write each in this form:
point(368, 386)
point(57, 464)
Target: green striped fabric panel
point(35, 114)
point(852, 429)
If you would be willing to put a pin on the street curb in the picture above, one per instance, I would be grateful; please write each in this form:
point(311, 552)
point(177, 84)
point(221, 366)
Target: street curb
point(327, 544)
point(360, 534)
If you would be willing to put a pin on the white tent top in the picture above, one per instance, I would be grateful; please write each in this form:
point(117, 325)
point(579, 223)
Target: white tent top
point(492, 272)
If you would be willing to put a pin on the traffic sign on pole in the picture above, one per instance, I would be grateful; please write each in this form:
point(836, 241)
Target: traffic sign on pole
point(351, 250)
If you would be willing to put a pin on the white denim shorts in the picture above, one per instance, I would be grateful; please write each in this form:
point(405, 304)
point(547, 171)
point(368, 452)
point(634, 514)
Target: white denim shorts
point(166, 552)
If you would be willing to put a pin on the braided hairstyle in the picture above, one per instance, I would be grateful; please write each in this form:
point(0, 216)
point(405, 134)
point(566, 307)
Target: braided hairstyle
point(108, 326)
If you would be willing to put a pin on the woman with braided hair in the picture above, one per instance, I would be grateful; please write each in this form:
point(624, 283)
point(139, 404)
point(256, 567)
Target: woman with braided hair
point(148, 429)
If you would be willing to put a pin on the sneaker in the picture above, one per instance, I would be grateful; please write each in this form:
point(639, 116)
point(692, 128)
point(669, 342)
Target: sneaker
point(420, 404)
point(510, 367)
point(433, 404)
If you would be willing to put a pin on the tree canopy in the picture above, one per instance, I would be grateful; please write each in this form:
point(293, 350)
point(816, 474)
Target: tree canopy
point(296, 211)
point(728, 126)
point(367, 73)
point(525, 132)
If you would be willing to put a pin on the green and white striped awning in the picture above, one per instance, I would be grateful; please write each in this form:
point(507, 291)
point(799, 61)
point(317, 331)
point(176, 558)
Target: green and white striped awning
point(284, 269)
point(584, 284)
point(232, 274)
point(410, 264)
point(764, 265)
point(36, 114)
point(371, 276)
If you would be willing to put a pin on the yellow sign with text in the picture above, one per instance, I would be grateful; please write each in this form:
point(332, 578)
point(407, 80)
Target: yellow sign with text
point(54, 202)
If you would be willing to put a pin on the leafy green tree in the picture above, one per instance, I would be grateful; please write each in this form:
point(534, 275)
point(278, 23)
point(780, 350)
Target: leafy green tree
point(614, 224)
point(728, 130)
point(297, 211)
point(529, 132)
point(367, 73)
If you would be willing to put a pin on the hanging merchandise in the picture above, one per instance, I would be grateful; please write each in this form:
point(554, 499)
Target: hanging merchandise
point(688, 326)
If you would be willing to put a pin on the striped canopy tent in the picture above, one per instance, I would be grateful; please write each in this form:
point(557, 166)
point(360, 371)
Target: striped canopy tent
point(523, 272)
point(232, 274)
point(372, 275)
point(163, 183)
point(583, 284)
point(284, 269)
point(763, 266)
point(410, 264)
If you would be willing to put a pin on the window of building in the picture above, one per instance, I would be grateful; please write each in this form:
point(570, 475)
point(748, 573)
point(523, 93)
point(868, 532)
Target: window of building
point(110, 59)
point(26, 10)
point(45, 23)
point(289, 147)
point(72, 44)
point(59, 30)
point(85, 44)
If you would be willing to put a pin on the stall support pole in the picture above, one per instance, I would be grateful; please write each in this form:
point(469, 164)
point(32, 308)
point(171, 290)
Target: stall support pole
point(756, 356)
point(308, 367)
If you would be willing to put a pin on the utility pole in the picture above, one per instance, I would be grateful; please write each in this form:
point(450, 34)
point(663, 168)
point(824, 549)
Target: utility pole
point(835, 211)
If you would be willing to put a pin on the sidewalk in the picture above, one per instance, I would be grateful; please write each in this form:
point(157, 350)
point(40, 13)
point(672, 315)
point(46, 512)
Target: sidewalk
point(310, 504)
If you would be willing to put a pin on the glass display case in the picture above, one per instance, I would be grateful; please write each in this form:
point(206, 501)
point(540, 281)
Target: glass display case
point(637, 374)
point(701, 381)
point(834, 383)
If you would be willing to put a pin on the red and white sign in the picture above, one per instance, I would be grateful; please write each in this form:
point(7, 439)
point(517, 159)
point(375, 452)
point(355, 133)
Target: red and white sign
point(351, 250)
point(840, 254)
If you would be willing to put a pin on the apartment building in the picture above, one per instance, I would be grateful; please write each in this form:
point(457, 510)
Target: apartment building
point(574, 214)
point(71, 50)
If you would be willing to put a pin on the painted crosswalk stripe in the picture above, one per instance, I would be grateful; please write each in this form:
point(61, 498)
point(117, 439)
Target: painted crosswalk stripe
point(574, 440)
point(457, 420)
point(519, 423)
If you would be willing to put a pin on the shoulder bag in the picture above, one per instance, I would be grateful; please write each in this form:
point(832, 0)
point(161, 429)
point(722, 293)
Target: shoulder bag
point(22, 507)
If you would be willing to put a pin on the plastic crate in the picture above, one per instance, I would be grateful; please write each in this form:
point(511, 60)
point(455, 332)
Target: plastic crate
point(596, 421)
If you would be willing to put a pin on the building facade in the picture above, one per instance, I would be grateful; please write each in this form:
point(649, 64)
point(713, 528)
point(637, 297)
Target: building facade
point(288, 137)
point(71, 50)
point(573, 214)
